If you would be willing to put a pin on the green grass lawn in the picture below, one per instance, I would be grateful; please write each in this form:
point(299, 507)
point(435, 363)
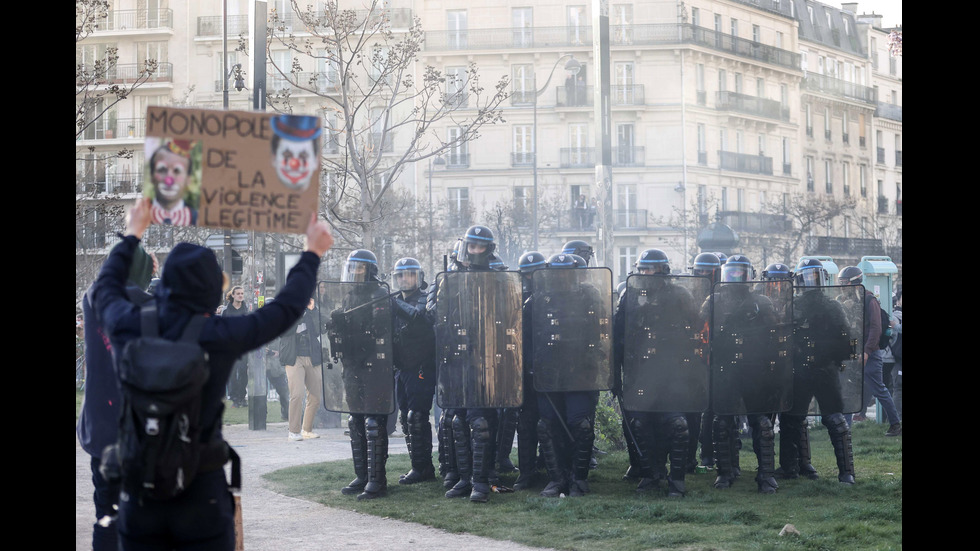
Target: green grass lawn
point(828, 515)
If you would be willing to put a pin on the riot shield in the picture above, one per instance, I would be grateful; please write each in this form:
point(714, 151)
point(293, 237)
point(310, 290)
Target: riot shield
point(665, 365)
point(357, 368)
point(571, 329)
point(829, 336)
point(751, 348)
point(478, 332)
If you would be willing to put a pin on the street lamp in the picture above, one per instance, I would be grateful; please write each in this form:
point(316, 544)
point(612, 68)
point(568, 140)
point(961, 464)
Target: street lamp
point(439, 161)
point(573, 67)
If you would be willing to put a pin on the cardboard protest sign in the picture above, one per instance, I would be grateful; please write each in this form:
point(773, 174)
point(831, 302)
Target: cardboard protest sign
point(232, 169)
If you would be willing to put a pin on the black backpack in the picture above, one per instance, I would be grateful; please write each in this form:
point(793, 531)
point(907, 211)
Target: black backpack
point(886, 330)
point(159, 450)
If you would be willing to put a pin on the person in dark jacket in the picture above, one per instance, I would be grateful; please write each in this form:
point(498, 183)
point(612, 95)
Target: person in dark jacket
point(238, 385)
point(201, 517)
point(98, 423)
point(415, 364)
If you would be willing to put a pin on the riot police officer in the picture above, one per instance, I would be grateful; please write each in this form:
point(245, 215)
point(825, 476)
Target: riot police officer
point(368, 432)
point(800, 434)
point(568, 414)
point(414, 361)
point(699, 424)
point(580, 248)
point(527, 420)
point(474, 430)
point(742, 324)
point(823, 341)
point(666, 311)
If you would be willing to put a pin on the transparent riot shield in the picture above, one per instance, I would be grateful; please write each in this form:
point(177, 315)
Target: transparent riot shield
point(571, 329)
point(751, 348)
point(478, 332)
point(829, 336)
point(665, 364)
point(357, 368)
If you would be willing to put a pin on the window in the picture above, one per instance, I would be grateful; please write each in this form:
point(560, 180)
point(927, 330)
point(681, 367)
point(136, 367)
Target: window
point(809, 11)
point(459, 207)
point(623, 90)
point(734, 27)
point(826, 122)
point(809, 173)
point(523, 205)
point(457, 27)
point(738, 83)
point(717, 23)
point(523, 144)
point(762, 144)
point(282, 63)
point(740, 200)
point(803, 62)
point(739, 142)
point(578, 25)
point(760, 87)
point(621, 23)
point(626, 197)
point(702, 145)
point(845, 181)
point(151, 50)
point(695, 17)
point(724, 198)
point(847, 222)
point(327, 74)
point(625, 155)
point(808, 112)
point(578, 142)
point(456, 86)
point(827, 167)
point(784, 95)
point(786, 157)
point(522, 84)
point(862, 180)
point(458, 154)
point(523, 24)
point(699, 76)
point(779, 40)
point(756, 34)
point(627, 256)
point(723, 138)
point(722, 80)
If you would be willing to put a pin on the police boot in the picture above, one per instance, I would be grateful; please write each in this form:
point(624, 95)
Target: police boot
point(584, 434)
point(633, 472)
point(527, 451)
point(840, 437)
point(377, 458)
point(643, 445)
point(789, 446)
point(764, 442)
point(806, 469)
point(482, 459)
point(550, 450)
point(721, 440)
point(358, 448)
point(735, 443)
point(447, 451)
point(419, 432)
point(679, 436)
point(693, 434)
point(464, 458)
point(707, 440)
point(505, 439)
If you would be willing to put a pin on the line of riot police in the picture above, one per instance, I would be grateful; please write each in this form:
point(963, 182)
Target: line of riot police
point(529, 351)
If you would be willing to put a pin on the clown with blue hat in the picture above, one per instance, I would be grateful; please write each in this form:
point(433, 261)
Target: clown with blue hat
point(294, 149)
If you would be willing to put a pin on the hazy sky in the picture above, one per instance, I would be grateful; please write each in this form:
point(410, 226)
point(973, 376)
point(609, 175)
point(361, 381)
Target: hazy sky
point(890, 9)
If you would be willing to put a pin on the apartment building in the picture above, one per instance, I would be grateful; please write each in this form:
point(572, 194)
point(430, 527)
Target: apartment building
point(718, 108)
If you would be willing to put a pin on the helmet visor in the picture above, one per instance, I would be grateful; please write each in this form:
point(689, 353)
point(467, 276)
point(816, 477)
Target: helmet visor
point(407, 278)
point(734, 273)
point(475, 252)
point(811, 277)
point(356, 271)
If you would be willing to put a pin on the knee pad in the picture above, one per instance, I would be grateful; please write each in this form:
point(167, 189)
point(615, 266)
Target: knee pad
point(765, 427)
point(480, 429)
point(459, 423)
point(836, 424)
point(678, 427)
point(373, 427)
point(583, 429)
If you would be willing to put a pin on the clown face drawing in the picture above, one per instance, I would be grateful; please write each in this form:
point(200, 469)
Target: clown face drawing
point(295, 151)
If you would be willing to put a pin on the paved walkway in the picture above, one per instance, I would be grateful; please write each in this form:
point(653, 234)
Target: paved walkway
point(273, 521)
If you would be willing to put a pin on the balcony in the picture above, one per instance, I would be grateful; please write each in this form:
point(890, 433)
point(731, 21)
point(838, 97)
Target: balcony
point(889, 111)
point(586, 220)
point(574, 96)
point(836, 87)
point(522, 97)
point(843, 246)
point(111, 128)
point(130, 20)
point(111, 183)
point(455, 160)
point(751, 105)
point(521, 159)
point(627, 95)
point(666, 34)
point(740, 162)
point(129, 73)
point(755, 222)
point(212, 25)
point(585, 157)
point(399, 18)
point(629, 156)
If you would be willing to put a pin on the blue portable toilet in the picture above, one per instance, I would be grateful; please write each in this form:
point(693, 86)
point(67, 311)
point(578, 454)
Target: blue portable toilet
point(828, 264)
point(879, 275)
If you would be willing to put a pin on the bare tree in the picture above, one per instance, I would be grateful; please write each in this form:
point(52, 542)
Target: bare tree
point(512, 222)
point(366, 78)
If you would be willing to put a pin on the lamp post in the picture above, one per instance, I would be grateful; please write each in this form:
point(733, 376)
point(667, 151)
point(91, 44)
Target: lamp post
point(573, 67)
point(439, 161)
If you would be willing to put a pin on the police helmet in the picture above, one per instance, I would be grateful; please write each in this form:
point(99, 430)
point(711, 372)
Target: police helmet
point(850, 275)
point(580, 248)
point(405, 269)
point(361, 265)
point(707, 264)
point(621, 288)
point(531, 261)
point(722, 257)
point(738, 268)
point(776, 271)
point(477, 247)
point(653, 261)
point(562, 260)
point(810, 273)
